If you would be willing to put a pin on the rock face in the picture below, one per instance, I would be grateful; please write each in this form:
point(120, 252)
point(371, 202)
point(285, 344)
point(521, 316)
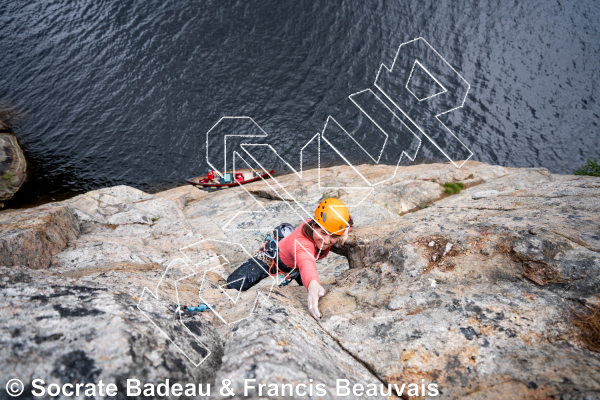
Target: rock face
point(477, 294)
point(65, 331)
point(31, 237)
point(12, 165)
point(474, 292)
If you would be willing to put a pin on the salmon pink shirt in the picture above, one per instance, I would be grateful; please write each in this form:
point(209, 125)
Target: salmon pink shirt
point(298, 251)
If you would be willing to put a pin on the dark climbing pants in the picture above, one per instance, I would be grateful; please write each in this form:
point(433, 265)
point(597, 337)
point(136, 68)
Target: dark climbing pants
point(251, 272)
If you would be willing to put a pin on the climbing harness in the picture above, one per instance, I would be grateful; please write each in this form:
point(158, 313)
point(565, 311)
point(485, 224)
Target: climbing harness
point(269, 254)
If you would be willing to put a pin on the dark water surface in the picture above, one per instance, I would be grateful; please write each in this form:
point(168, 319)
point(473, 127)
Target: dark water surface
point(123, 92)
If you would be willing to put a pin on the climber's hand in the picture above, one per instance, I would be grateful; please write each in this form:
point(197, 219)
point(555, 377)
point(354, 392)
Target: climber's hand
point(343, 238)
point(314, 292)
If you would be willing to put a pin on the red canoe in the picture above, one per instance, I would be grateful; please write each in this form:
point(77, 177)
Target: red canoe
point(240, 177)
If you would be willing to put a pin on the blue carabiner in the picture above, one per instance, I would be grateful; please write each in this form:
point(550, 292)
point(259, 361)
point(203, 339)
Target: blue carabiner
point(201, 307)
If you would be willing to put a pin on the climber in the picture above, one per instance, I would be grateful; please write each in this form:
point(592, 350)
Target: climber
point(291, 254)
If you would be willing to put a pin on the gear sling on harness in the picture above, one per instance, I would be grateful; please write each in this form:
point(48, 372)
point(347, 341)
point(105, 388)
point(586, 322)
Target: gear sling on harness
point(270, 256)
point(266, 262)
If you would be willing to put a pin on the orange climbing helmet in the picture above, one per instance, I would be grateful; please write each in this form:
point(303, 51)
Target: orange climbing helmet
point(332, 215)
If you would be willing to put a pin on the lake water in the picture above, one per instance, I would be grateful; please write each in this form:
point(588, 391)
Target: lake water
point(123, 92)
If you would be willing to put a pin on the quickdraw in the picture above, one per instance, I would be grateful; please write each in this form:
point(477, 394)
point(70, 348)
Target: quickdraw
point(270, 247)
point(190, 311)
point(268, 254)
